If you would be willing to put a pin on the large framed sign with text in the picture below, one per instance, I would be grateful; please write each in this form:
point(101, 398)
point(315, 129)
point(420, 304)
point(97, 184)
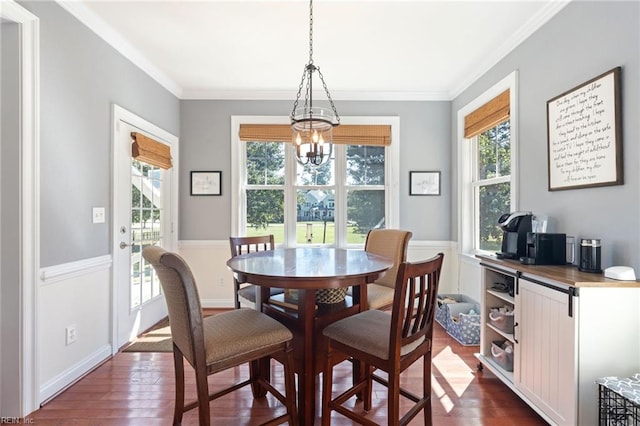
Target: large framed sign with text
point(585, 136)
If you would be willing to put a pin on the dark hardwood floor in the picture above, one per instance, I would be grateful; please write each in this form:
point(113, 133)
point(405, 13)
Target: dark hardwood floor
point(138, 389)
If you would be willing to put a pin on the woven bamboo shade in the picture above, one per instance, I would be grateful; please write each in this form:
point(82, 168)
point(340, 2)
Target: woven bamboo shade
point(487, 116)
point(150, 151)
point(351, 134)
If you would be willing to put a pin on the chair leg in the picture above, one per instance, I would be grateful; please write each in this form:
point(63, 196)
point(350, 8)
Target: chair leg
point(290, 387)
point(368, 388)
point(235, 294)
point(260, 368)
point(393, 413)
point(426, 380)
point(178, 366)
point(327, 386)
point(202, 388)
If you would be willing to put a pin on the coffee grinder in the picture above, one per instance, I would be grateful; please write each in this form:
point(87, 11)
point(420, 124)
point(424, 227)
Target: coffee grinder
point(514, 234)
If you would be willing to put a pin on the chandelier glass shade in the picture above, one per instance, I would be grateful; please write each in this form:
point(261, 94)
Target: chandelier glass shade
point(312, 126)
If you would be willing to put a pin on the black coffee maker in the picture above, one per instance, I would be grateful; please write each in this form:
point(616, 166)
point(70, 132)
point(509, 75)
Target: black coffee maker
point(514, 234)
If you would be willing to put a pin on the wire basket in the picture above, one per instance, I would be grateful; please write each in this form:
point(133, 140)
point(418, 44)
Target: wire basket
point(331, 295)
point(616, 410)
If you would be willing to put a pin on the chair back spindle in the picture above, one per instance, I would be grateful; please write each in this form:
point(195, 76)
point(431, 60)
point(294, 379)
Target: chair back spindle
point(243, 291)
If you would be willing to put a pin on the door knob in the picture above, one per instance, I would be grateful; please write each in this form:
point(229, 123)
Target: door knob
point(124, 245)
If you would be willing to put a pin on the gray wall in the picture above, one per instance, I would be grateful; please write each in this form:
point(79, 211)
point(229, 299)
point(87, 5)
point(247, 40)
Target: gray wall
point(81, 77)
point(205, 144)
point(10, 217)
point(582, 41)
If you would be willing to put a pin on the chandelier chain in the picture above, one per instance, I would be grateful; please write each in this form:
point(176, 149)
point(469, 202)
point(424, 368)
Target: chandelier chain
point(326, 89)
point(310, 31)
point(307, 75)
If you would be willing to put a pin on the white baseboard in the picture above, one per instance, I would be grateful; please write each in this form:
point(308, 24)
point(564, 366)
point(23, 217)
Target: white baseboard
point(68, 377)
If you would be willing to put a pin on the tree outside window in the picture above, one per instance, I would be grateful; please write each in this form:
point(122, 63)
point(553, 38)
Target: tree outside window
point(493, 183)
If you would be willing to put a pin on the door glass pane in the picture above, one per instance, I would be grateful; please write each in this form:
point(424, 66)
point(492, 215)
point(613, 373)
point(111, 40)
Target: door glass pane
point(493, 200)
point(365, 211)
point(146, 209)
point(365, 165)
point(265, 213)
point(315, 216)
point(494, 152)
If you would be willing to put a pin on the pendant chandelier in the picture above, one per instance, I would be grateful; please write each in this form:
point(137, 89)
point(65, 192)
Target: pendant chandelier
point(312, 126)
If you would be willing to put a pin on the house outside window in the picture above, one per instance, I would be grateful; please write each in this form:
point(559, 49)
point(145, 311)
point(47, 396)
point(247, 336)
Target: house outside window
point(335, 204)
point(486, 165)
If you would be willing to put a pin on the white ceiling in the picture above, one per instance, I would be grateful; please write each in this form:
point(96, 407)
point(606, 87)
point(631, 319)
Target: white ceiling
point(366, 49)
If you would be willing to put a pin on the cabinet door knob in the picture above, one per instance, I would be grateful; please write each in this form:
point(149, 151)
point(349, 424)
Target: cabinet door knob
point(514, 333)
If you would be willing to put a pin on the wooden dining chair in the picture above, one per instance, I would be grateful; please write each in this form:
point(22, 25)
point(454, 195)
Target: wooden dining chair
point(245, 293)
point(220, 342)
point(392, 342)
point(392, 243)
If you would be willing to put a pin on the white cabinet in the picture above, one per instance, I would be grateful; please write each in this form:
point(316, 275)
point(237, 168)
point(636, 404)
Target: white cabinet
point(571, 328)
point(545, 338)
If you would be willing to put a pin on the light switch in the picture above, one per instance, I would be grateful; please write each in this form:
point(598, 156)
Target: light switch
point(98, 215)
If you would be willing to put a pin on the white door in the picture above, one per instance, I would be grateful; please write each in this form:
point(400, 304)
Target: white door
point(145, 213)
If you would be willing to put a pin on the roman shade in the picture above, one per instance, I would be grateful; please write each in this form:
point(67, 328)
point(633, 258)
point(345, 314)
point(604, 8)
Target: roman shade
point(150, 151)
point(351, 134)
point(487, 116)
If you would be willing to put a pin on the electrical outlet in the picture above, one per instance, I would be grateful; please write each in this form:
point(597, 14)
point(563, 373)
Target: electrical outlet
point(72, 336)
point(221, 281)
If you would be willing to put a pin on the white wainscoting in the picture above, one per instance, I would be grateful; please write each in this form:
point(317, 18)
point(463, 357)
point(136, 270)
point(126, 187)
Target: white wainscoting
point(469, 273)
point(208, 259)
point(78, 294)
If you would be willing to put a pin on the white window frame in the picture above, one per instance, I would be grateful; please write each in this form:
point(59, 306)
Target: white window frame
point(467, 203)
point(238, 173)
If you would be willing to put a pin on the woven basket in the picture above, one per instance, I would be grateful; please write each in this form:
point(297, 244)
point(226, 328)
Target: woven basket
point(331, 295)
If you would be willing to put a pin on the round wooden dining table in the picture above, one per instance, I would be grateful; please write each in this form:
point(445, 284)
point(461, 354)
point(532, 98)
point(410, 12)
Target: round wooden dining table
point(308, 270)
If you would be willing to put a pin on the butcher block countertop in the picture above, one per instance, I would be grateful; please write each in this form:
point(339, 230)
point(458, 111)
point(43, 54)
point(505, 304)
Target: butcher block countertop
point(566, 274)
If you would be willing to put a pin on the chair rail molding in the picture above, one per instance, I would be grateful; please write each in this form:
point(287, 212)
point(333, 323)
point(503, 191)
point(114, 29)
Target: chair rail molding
point(69, 270)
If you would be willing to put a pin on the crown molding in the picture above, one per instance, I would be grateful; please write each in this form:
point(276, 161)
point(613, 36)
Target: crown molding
point(118, 42)
point(532, 25)
point(122, 45)
point(288, 95)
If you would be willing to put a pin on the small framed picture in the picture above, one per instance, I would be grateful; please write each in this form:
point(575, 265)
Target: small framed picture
point(424, 183)
point(206, 183)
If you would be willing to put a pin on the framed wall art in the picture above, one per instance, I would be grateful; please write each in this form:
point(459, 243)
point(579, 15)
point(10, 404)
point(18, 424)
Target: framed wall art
point(584, 134)
point(206, 183)
point(424, 183)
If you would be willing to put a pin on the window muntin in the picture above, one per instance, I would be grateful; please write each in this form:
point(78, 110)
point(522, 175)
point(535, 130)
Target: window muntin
point(315, 195)
point(264, 191)
point(494, 151)
point(298, 179)
point(147, 186)
point(492, 184)
point(498, 104)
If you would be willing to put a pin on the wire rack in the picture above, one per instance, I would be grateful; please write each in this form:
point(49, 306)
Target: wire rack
point(616, 410)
